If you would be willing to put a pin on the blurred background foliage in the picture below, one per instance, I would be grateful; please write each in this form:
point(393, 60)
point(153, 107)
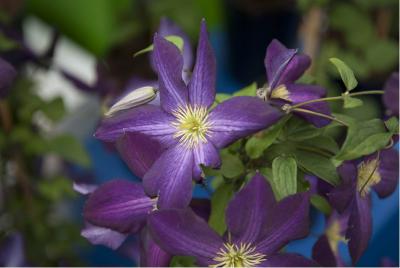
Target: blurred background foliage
point(45, 139)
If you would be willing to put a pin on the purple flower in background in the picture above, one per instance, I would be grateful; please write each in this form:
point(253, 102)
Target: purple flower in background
point(12, 253)
point(391, 95)
point(284, 66)
point(325, 250)
point(258, 227)
point(183, 123)
point(379, 172)
point(7, 76)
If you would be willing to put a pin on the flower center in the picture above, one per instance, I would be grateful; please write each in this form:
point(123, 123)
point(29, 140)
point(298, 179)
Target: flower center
point(279, 92)
point(192, 125)
point(368, 175)
point(334, 236)
point(243, 255)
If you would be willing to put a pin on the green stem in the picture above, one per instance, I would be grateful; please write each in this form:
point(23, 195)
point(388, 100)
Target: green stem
point(370, 92)
point(318, 114)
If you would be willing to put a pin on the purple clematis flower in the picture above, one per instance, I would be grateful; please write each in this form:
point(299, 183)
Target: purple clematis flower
point(183, 123)
point(12, 252)
point(391, 95)
point(7, 76)
point(284, 66)
point(379, 172)
point(258, 227)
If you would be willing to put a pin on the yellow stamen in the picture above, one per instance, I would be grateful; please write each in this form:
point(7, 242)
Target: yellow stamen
point(192, 125)
point(243, 255)
point(368, 176)
point(334, 236)
point(280, 93)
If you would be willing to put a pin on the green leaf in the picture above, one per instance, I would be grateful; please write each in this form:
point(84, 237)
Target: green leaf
point(325, 143)
point(183, 261)
point(346, 74)
point(54, 109)
point(220, 97)
point(231, 166)
point(249, 90)
point(284, 176)
point(350, 102)
point(382, 55)
point(392, 124)
point(56, 188)
point(70, 149)
point(174, 39)
point(298, 130)
point(364, 138)
point(219, 202)
point(258, 143)
point(318, 165)
point(321, 204)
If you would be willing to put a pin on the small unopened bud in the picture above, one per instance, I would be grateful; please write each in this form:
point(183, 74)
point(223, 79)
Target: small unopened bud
point(135, 98)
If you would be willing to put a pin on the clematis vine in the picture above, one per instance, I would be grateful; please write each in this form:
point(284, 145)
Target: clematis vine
point(258, 227)
point(284, 66)
point(378, 172)
point(184, 123)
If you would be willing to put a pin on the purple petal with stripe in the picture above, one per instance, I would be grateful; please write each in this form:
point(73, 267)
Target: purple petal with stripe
point(389, 172)
point(248, 210)
point(239, 117)
point(202, 82)
point(301, 93)
point(322, 253)
point(169, 63)
point(139, 152)
point(181, 232)
point(151, 255)
point(205, 154)
point(170, 178)
point(120, 205)
point(391, 95)
point(360, 226)
point(289, 220)
point(103, 236)
point(287, 260)
point(7, 76)
point(147, 119)
point(284, 65)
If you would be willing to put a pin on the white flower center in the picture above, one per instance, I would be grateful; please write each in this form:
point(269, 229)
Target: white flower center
point(192, 125)
point(243, 255)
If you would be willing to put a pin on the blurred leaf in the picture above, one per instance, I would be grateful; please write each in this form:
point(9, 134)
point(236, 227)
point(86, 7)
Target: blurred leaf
point(70, 149)
point(392, 124)
point(258, 143)
point(318, 165)
point(249, 90)
point(346, 74)
point(174, 39)
point(364, 138)
point(6, 43)
point(382, 55)
point(350, 102)
point(306, 79)
point(284, 176)
point(231, 166)
point(219, 202)
point(56, 188)
point(321, 204)
point(54, 109)
point(182, 261)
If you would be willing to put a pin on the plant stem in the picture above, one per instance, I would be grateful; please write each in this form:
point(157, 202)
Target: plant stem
point(369, 92)
point(319, 114)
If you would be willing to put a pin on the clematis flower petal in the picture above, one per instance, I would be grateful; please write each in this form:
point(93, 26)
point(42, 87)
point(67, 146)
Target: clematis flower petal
point(238, 117)
point(181, 232)
point(289, 220)
point(202, 83)
point(287, 260)
point(7, 76)
point(168, 27)
point(120, 205)
point(360, 226)
point(170, 178)
point(103, 236)
point(391, 95)
point(201, 207)
point(147, 119)
point(205, 154)
point(138, 151)
point(151, 255)
point(300, 93)
point(284, 65)
point(247, 211)
point(169, 63)
point(389, 172)
point(323, 254)
point(341, 196)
